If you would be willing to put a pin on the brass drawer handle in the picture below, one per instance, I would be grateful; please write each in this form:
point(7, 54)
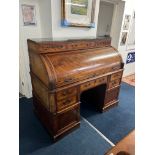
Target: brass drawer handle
point(67, 92)
point(93, 75)
point(101, 80)
point(67, 101)
point(68, 80)
point(114, 82)
point(86, 85)
point(64, 93)
point(117, 75)
point(116, 67)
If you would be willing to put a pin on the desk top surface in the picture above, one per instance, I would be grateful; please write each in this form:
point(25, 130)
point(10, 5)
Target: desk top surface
point(43, 40)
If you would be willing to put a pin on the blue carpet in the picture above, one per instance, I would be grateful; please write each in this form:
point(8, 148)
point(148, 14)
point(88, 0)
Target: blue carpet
point(114, 124)
point(32, 134)
point(118, 121)
point(83, 141)
point(34, 139)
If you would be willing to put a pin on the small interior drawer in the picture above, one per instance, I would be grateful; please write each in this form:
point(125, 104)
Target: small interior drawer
point(66, 93)
point(87, 85)
point(68, 118)
point(111, 95)
point(100, 81)
point(114, 83)
point(66, 102)
point(116, 76)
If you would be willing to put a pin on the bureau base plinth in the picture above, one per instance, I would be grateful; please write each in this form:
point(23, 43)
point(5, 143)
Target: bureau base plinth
point(111, 105)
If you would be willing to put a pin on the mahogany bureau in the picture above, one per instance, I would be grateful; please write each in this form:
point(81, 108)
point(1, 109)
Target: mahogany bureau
point(61, 71)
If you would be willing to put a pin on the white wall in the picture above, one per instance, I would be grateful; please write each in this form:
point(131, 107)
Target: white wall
point(129, 68)
point(105, 18)
point(26, 32)
point(46, 18)
point(43, 29)
point(70, 32)
point(117, 23)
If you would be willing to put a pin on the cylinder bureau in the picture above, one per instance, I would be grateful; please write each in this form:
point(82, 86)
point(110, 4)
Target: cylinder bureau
point(62, 70)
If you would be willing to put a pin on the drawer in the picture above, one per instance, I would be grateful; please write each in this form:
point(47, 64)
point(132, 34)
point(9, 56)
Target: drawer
point(66, 102)
point(117, 75)
point(66, 119)
point(87, 85)
point(114, 83)
point(100, 81)
point(66, 93)
point(111, 95)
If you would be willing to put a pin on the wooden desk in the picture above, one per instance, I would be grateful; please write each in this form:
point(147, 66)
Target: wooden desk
point(127, 144)
point(62, 70)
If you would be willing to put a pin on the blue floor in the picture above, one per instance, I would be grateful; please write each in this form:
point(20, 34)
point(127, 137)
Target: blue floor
point(32, 135)
point(83, 141)
point(118, 121)
point(114, 124)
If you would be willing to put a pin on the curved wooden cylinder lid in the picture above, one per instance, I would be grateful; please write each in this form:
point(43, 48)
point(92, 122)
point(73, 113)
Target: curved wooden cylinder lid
point(80, 65)
point(71, 61)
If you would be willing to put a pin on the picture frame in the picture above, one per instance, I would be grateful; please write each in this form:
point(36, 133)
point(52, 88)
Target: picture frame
point(123, 38)
point(78, 13)
point(131, 35)
point(29, 15)
point(126, 22)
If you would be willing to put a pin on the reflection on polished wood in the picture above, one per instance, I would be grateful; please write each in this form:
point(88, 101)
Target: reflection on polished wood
point(62, 70)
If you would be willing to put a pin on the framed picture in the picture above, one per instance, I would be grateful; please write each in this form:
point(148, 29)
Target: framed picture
point(78, 13)
point(126, 22)
point(131, 35)
point(123, 38)
point(29, 15)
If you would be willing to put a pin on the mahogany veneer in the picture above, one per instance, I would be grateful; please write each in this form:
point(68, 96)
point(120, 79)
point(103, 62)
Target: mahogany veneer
point(62, 70)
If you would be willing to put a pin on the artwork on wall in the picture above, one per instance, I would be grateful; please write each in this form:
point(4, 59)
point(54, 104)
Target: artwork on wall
point(131, 35)
point(126, 22)
point(130, 57)
point(29, 15)
point(123, 38)
point(78, 13)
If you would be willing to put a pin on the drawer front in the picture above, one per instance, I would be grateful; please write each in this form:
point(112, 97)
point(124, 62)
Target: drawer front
point(87, 85)
point(100, 81)
point(66, 102)
point(67, 118)
point(111, 95)
point(66, 93)
point(115, 76)
point(114, 83)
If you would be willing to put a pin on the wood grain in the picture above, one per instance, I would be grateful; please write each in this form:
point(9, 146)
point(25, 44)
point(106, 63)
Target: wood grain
point(62, 70)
